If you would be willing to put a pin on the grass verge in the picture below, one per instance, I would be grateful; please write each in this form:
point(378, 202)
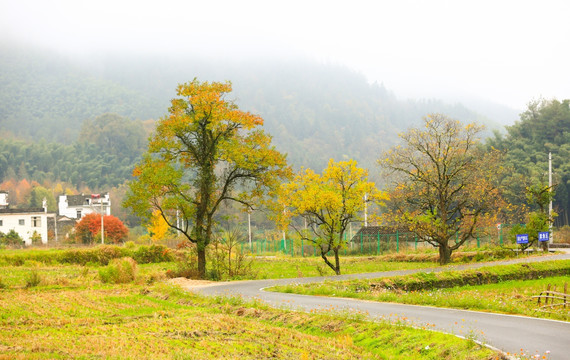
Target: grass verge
point(504, 289)
point(81, 318)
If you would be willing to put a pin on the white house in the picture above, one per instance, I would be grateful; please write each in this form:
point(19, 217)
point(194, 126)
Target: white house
point(25, 222)
point(77, 206)
point(3, 199)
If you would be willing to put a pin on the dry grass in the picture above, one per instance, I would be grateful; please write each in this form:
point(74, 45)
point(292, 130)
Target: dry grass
point(72, 315)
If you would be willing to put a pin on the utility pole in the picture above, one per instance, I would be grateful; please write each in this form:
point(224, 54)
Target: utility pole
point(177, 222)
point(102, 226)
point(365, 210)
point(284, 240)
point(98, 196)
point(350, 227)
point(249, 225)
point(550, 189)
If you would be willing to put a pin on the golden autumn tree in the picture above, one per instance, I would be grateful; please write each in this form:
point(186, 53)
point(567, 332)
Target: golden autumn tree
point(158, 227)
point(327, 204)
point(204, 152)
point(444, 185)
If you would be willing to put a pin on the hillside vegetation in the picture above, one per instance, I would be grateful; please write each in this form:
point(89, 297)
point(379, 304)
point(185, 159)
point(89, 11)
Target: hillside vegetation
point(544, 127)
point(314, 111)
point(85, 123)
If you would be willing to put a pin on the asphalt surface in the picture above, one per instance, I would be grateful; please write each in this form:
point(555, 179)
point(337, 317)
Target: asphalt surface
point(508, 333)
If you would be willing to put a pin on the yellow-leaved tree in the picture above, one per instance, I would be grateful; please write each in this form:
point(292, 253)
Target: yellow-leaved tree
point(326, 204)
point(203, 153)
point(158, 227)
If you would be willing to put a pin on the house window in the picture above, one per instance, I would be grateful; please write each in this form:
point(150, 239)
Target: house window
point(1, 224)
point(79, 214)
point(36, 221)
point(21, 222)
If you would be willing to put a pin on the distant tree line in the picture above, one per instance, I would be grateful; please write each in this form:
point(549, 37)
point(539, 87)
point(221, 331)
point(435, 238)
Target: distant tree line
point(544, 127)
point(103, 157)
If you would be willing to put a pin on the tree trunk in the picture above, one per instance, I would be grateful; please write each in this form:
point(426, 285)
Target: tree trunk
point(329, 264)
point(444, 254)
point(337, 262)
point(201, 262)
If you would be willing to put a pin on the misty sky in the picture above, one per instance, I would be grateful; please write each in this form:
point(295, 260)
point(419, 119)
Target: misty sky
point(508, 52)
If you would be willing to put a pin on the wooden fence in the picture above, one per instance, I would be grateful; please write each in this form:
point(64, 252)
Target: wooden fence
point(554, 297)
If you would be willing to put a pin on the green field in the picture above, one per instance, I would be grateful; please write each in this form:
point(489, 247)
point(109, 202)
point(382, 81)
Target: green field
point(289, 267)
point(59, 311)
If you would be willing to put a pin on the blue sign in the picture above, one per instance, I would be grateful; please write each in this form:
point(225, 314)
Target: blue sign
point(544, 236)
point(522, 238)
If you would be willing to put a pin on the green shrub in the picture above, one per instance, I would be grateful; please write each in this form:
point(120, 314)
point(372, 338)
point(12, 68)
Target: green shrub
point(153, 254)
point(77, 256)
point(130, 245)
point(457, 256)
point(33, 278)
point(98, 255)
point(106, 253)
point(490, 275)
point(12, 238)
point(119, 271)
point(109, 274)
point(186, 266)
point(36, 238)
point(2, 285)
point(46, 257)
point(226, 258)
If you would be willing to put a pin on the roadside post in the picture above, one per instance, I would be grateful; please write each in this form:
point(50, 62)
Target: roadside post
point(544, 239)
point(522, 239)
point(500, 230)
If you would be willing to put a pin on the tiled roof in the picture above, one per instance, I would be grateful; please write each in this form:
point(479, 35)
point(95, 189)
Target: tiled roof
point(77, 200)
point(21, 211)
point(81, 200)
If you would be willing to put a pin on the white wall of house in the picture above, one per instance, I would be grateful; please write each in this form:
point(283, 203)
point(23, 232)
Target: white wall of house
point(64, 209)
point(3, 199)
point(87, 206)
point(25, 224)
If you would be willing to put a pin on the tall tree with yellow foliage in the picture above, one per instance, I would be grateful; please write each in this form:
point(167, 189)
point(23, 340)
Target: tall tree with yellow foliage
point(203, 153)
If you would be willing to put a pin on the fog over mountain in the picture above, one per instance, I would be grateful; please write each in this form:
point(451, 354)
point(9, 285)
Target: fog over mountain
point(314, 111)
point(330, 79)
point(506, 52)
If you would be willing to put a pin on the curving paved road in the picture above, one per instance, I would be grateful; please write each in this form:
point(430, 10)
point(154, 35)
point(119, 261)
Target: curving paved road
point(506, 332)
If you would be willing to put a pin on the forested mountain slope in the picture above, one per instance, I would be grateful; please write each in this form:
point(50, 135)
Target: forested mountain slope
point(314, 111)
point(543, 128)
point(43, 95)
